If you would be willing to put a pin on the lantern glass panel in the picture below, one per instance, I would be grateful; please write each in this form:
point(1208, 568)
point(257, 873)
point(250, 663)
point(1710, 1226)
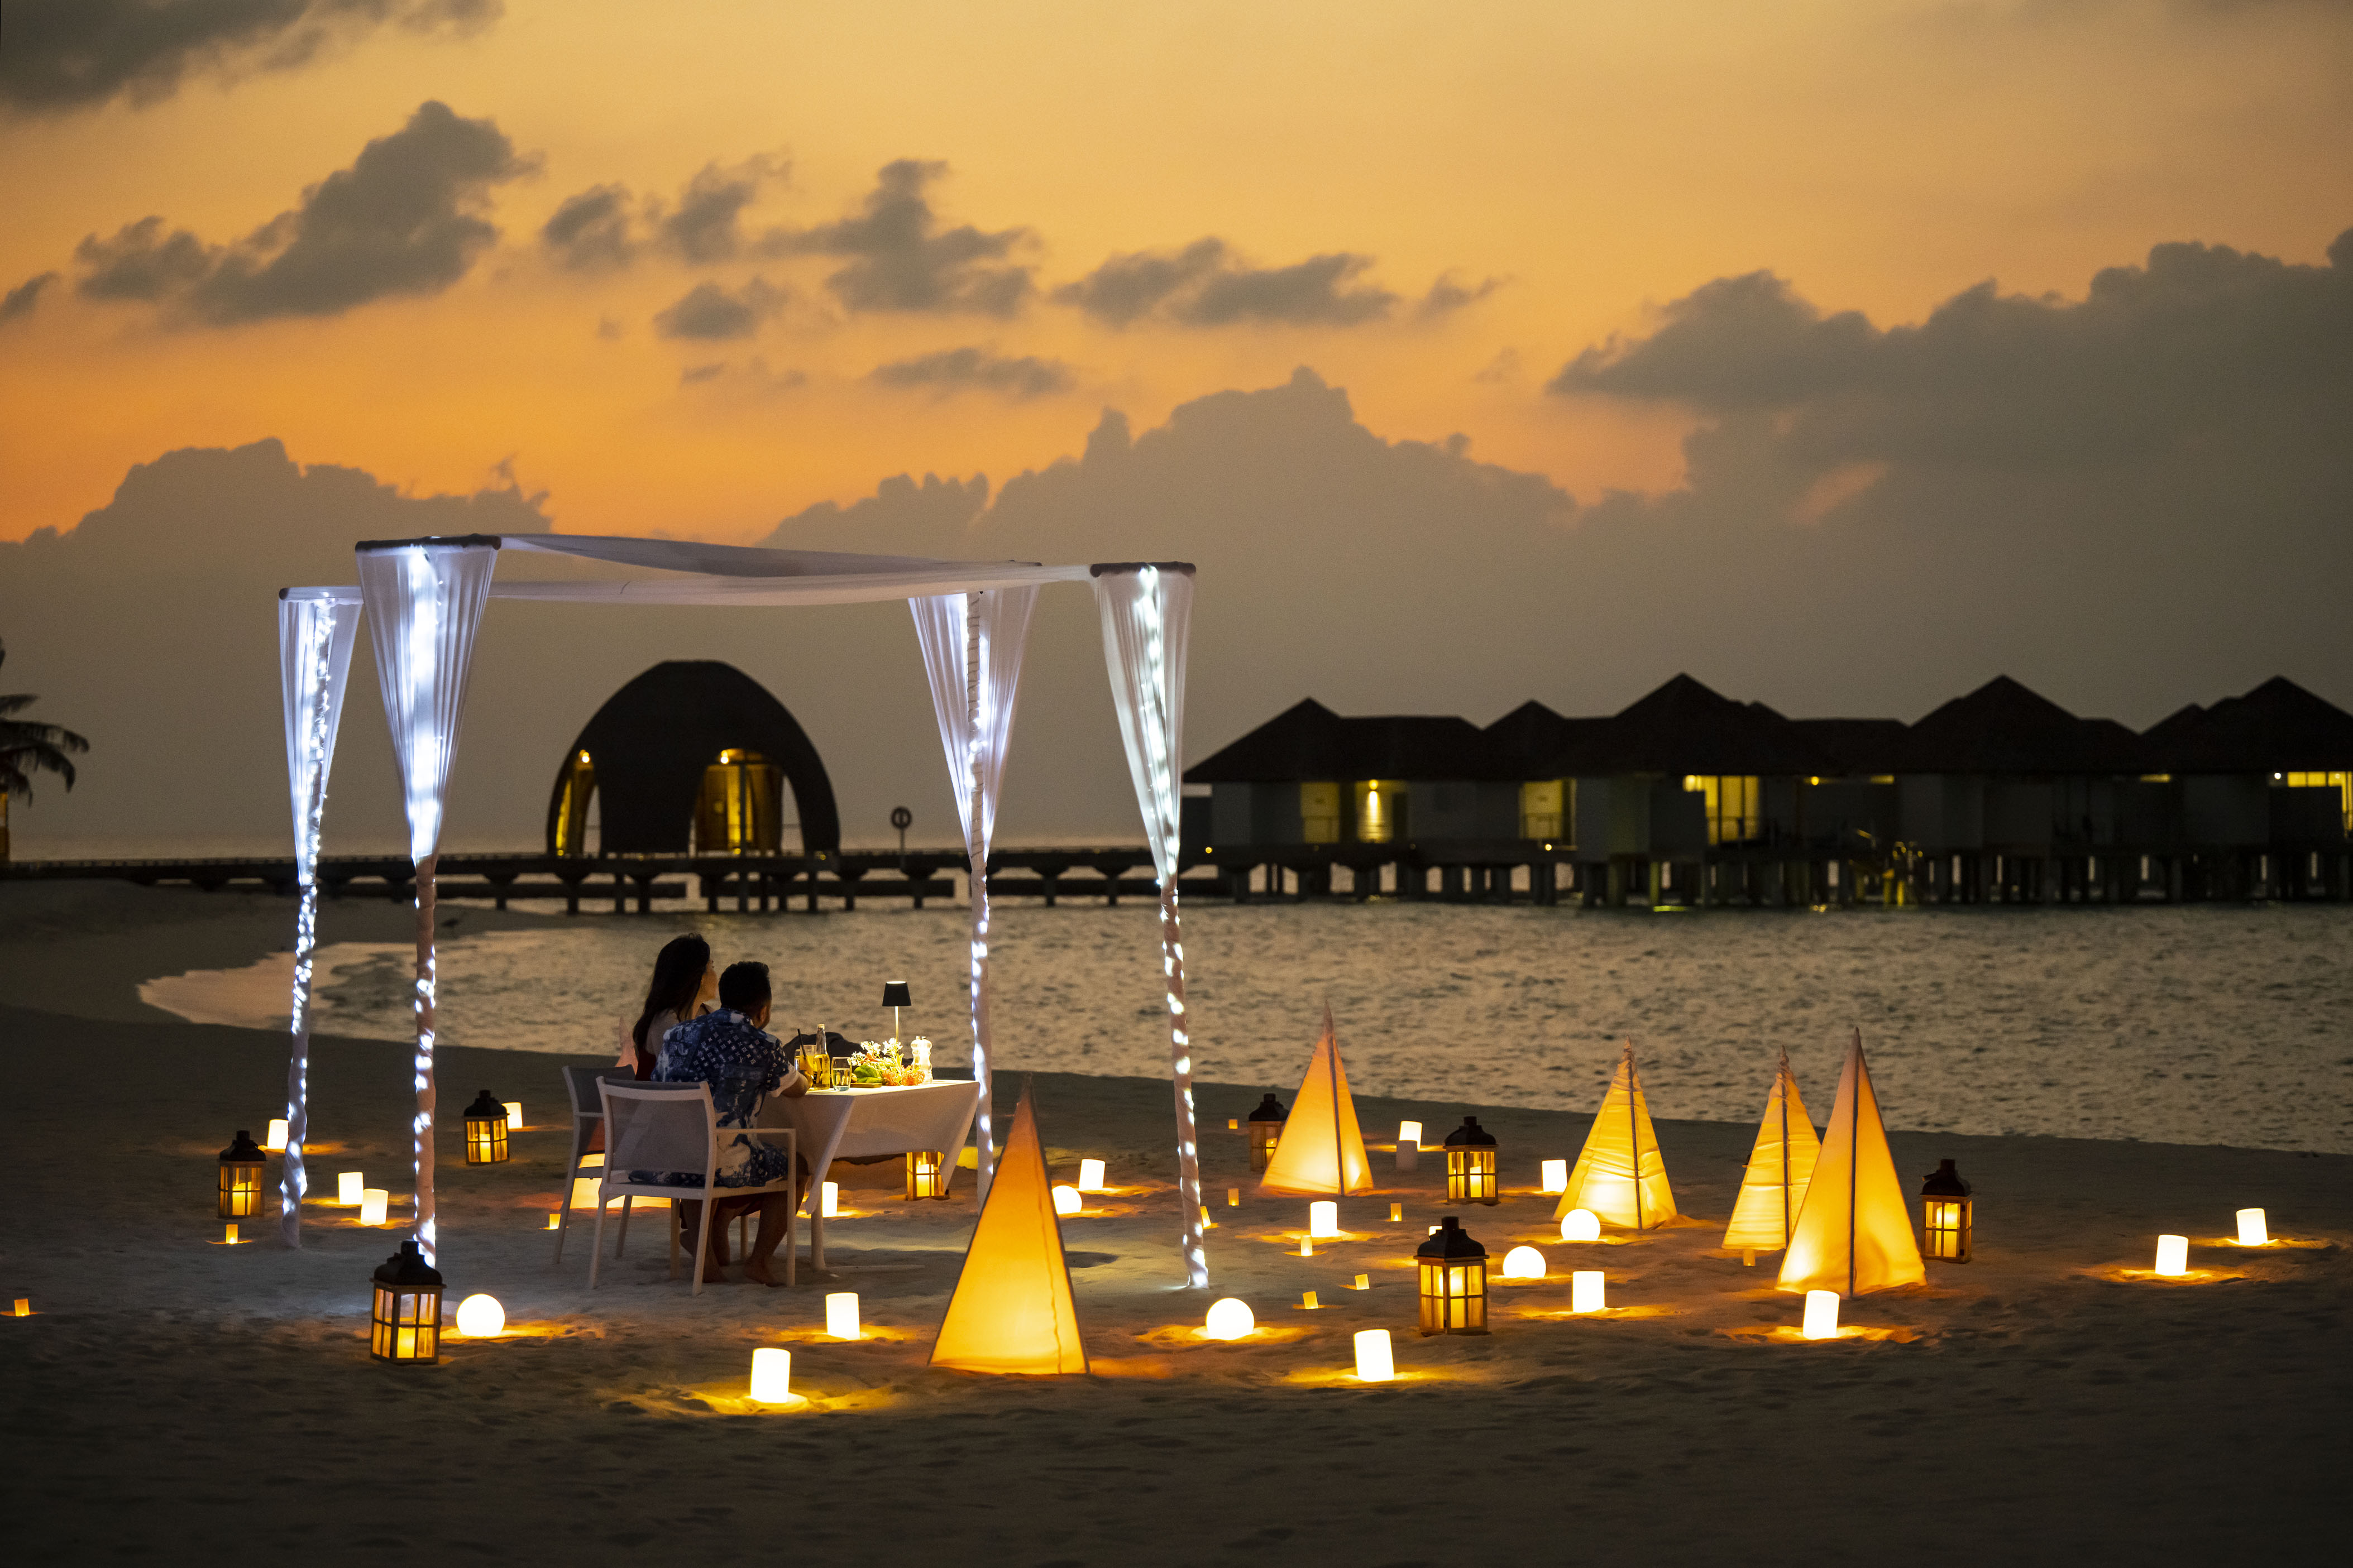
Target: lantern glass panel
point(240, 1191)
point(408, 1325)
point(928, 1174)
point(1946, 1224)
point(486, 1131)
point(1470, 1176)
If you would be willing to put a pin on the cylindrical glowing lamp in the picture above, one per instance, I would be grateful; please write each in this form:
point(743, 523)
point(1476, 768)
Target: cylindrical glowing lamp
point(1409, 1146)
point(1586, 1290)
point(841, 1314)
point(1454, 1269)
point(928, 1174)
point(1822, 1315)
point(1229, 1320)
point(349, 1186)
point(514, 1115)
point(1376, 1360)
point(1323, 1219)
point(405, 1324)
point(229, 1235)
point(2252, 1231)
point(1580, 1225)
point(1470, 1165)
point(242, 1164)
point(1524, 1263)
point(1066, 1199)
point(2172, 1255)
point(481, 1317)
point(1555, 1176)
point(1948, 1219)
point(276, 1141)
point(486, 1130)
point(1265, 1130)
point(1090, 1175)
point(772, 1375)
point(829, 1199)
point(376, 1206)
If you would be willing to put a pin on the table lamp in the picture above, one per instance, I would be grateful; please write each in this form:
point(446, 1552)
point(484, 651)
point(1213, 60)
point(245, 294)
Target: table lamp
point(894, 996)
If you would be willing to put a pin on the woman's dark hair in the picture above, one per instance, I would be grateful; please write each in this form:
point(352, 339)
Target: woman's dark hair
point(678, 970)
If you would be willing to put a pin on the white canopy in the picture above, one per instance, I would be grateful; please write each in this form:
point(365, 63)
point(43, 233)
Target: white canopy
point(424, 597)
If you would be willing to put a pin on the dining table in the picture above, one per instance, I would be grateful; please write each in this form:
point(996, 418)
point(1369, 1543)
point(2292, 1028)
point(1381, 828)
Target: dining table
point(831, 1124)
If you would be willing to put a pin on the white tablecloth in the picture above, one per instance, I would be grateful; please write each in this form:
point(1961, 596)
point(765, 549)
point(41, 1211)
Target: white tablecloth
point(834, 1124)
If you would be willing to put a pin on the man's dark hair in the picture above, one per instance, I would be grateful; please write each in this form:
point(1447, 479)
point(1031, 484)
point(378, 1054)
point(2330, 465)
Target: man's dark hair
point(744, 987)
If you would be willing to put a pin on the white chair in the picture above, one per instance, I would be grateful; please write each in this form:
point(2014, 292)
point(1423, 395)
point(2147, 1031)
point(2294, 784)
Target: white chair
point(587, 1116)
point(672, 1127)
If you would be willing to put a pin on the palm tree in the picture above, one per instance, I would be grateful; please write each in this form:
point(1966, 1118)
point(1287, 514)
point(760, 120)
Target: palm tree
point(27, 748)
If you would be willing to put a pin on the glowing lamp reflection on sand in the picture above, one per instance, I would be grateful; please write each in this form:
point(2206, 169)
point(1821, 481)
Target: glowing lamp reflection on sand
point(1090, 1175)
point(1580, 1225)
point(2172, 1255)
point(1524, 1263)
point(1229, 1320)
point(772, 1375)
point(841, 1314)
point(2252, 1231)
point(1586, 1292)
point(481, 1317)
point(1323, 1219)
point(1066, 1200)
point(1376, 1360)
point(1822, 1315)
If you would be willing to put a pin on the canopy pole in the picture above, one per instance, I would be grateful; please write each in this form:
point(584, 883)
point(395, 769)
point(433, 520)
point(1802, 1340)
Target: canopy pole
point(1782, 1089)
point(422, 1126)
point(985, 1114)
point(1634, 1131)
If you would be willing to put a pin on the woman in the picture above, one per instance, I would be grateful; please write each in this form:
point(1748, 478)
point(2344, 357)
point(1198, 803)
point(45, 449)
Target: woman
point(684, 986)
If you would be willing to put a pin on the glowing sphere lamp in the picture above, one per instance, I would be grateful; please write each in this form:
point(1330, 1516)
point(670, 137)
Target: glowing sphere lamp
point(1580, 1225)
point(1947, 1218)
point(1066, 1199)
point(1470, 1165)
point(1266, 1131)
point(1229, 1320)
point(405, 1324)
point(1453, 1271)
point(1524, 1263)
point(242, 1164)
point(486, 1130)
point(481, 1317)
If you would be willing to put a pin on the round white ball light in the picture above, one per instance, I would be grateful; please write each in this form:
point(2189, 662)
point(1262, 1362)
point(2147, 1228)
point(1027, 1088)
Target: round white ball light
point(1229, 1320)
point(481, 1318)
point(1524, 1263)
point(1580, 1225)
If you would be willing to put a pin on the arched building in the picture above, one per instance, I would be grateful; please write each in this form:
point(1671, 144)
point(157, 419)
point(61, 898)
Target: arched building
point(692, 755)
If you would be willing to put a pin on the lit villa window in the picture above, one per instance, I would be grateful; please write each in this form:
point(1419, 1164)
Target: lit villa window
point(1733, 812)
point(2341, 782)
point(1319, 813)
point(1379, 804)
point(1545, 809)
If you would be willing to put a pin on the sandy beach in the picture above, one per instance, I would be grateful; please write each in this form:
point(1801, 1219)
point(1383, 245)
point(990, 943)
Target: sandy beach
point(178, 1398)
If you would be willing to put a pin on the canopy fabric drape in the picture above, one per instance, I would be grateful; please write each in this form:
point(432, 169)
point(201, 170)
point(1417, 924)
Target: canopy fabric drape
point(423, 603)
point(1147, 613)
point(315, 631)
point(972, 646)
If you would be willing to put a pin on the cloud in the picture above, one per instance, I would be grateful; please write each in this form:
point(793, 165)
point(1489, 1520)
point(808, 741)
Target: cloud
point(404, 219)
point(590, 231)
point(709, 312)
point(956, 370)
point(20, 300)
point(696, 375)
point(703, 227)
point(64, 55)
point(1204, 284)
point(1446, 296)
point(901, 259)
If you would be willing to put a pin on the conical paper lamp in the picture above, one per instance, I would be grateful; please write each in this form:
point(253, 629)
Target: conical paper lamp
point(1774, 1189)
point(1012, 1310)
point(1855, 1234)
point(1322, 1150)
point(1620, 1175)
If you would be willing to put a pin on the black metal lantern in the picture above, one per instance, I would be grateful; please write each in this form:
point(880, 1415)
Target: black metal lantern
point(486, 1131)
point(1946, 1215)
point(1453, 1281)
point(928, 1174)
point(1470, 1165)
point(894, 996)
point(405, 1325)
point(242, 1164)
point(1266, 1131)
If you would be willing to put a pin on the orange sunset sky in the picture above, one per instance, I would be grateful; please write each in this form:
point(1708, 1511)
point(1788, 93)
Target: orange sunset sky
point(1567, 168)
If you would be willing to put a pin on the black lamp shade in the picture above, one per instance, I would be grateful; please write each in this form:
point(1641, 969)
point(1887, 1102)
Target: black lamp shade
point(242, 1164)
point(894, 995)
point(405, 1325)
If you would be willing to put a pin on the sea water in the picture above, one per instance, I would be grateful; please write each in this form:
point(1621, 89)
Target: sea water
point(2203, 1025)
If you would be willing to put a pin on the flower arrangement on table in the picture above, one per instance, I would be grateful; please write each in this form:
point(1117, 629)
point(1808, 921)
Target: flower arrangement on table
point(886, 1064)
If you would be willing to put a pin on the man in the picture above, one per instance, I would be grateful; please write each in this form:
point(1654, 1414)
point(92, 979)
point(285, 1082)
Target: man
point(730, 1051)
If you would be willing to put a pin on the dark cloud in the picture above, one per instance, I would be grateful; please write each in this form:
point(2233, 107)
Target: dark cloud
point(62, 55)
point(709, 312)
point(956, 370)
point(20, 300)
point(695, 375)
point(1446, 296)
point(901, 259)
point(1205, 285)
point(404, 219)
point(705, 225)
point(590, 231)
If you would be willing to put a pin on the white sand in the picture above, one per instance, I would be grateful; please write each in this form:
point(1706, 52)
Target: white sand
point(208, 1403)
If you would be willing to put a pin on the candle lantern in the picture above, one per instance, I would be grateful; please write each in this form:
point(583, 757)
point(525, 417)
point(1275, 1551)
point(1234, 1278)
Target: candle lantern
point(486, 1130)
point(1946, 1215)
point(407, 1322)
point(1470, 1165)
point(928, 1173)
point(1453, 1271)
point(1266, 1131)
point(894, 996)
point(242, 1164)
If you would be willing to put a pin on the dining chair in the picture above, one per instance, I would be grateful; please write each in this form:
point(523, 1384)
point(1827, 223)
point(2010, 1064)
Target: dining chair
point(671, 1128)
point(587, 1116)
